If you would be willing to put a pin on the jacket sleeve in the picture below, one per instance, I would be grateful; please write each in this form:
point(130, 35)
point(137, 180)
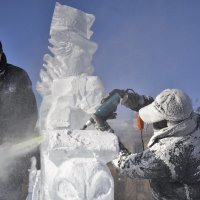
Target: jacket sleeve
point(29, 112)
point(142, 165)
point(135, 101)
point(27, 97)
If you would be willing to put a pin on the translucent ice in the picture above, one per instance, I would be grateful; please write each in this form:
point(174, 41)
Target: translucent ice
point(81, 179)
point(65, 144)
point(73, 160)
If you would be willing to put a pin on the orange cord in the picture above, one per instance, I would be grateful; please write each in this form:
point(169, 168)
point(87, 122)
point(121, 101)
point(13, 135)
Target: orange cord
point(140, 123)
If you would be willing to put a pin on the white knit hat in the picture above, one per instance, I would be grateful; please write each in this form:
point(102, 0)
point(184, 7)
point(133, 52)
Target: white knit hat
point(170, 105)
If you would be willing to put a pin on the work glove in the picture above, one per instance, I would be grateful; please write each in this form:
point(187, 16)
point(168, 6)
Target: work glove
point(123, 154)
point(129, 98)
point(101, 124)
point(133, 100)
point(118, 91)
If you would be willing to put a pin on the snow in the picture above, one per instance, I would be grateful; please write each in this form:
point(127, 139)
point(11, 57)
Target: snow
point(73, 160)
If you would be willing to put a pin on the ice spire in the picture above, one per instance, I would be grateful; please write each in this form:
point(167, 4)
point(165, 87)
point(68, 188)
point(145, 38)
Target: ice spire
point(71, 55)
point(70, 47)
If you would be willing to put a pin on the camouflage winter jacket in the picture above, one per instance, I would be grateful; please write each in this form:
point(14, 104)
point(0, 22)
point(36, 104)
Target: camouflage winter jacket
point(171, 162)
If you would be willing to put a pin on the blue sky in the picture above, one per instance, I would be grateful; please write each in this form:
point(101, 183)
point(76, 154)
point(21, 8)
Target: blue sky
point(146, 45)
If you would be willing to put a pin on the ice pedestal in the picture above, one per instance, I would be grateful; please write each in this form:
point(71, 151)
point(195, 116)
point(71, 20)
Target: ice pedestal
point(81, 179)
point(75, 165)
point(67, 144)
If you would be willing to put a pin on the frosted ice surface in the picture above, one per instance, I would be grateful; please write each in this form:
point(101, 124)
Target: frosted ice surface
point(73, 160)
point(44, 110)
point(65, 144)
point(34, 181)
point(49, 171)
point(80, 179)
point(68, 18)
point(71, 48)
point(74, 98)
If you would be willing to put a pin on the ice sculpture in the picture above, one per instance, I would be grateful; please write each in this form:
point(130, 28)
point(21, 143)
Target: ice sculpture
point(73, 160)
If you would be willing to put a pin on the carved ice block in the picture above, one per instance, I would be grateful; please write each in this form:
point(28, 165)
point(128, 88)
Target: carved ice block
point(75, 165)
point(74, 98)
point(78, 179)
point(66, 144)
point(83, 179)
point(73, 161)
